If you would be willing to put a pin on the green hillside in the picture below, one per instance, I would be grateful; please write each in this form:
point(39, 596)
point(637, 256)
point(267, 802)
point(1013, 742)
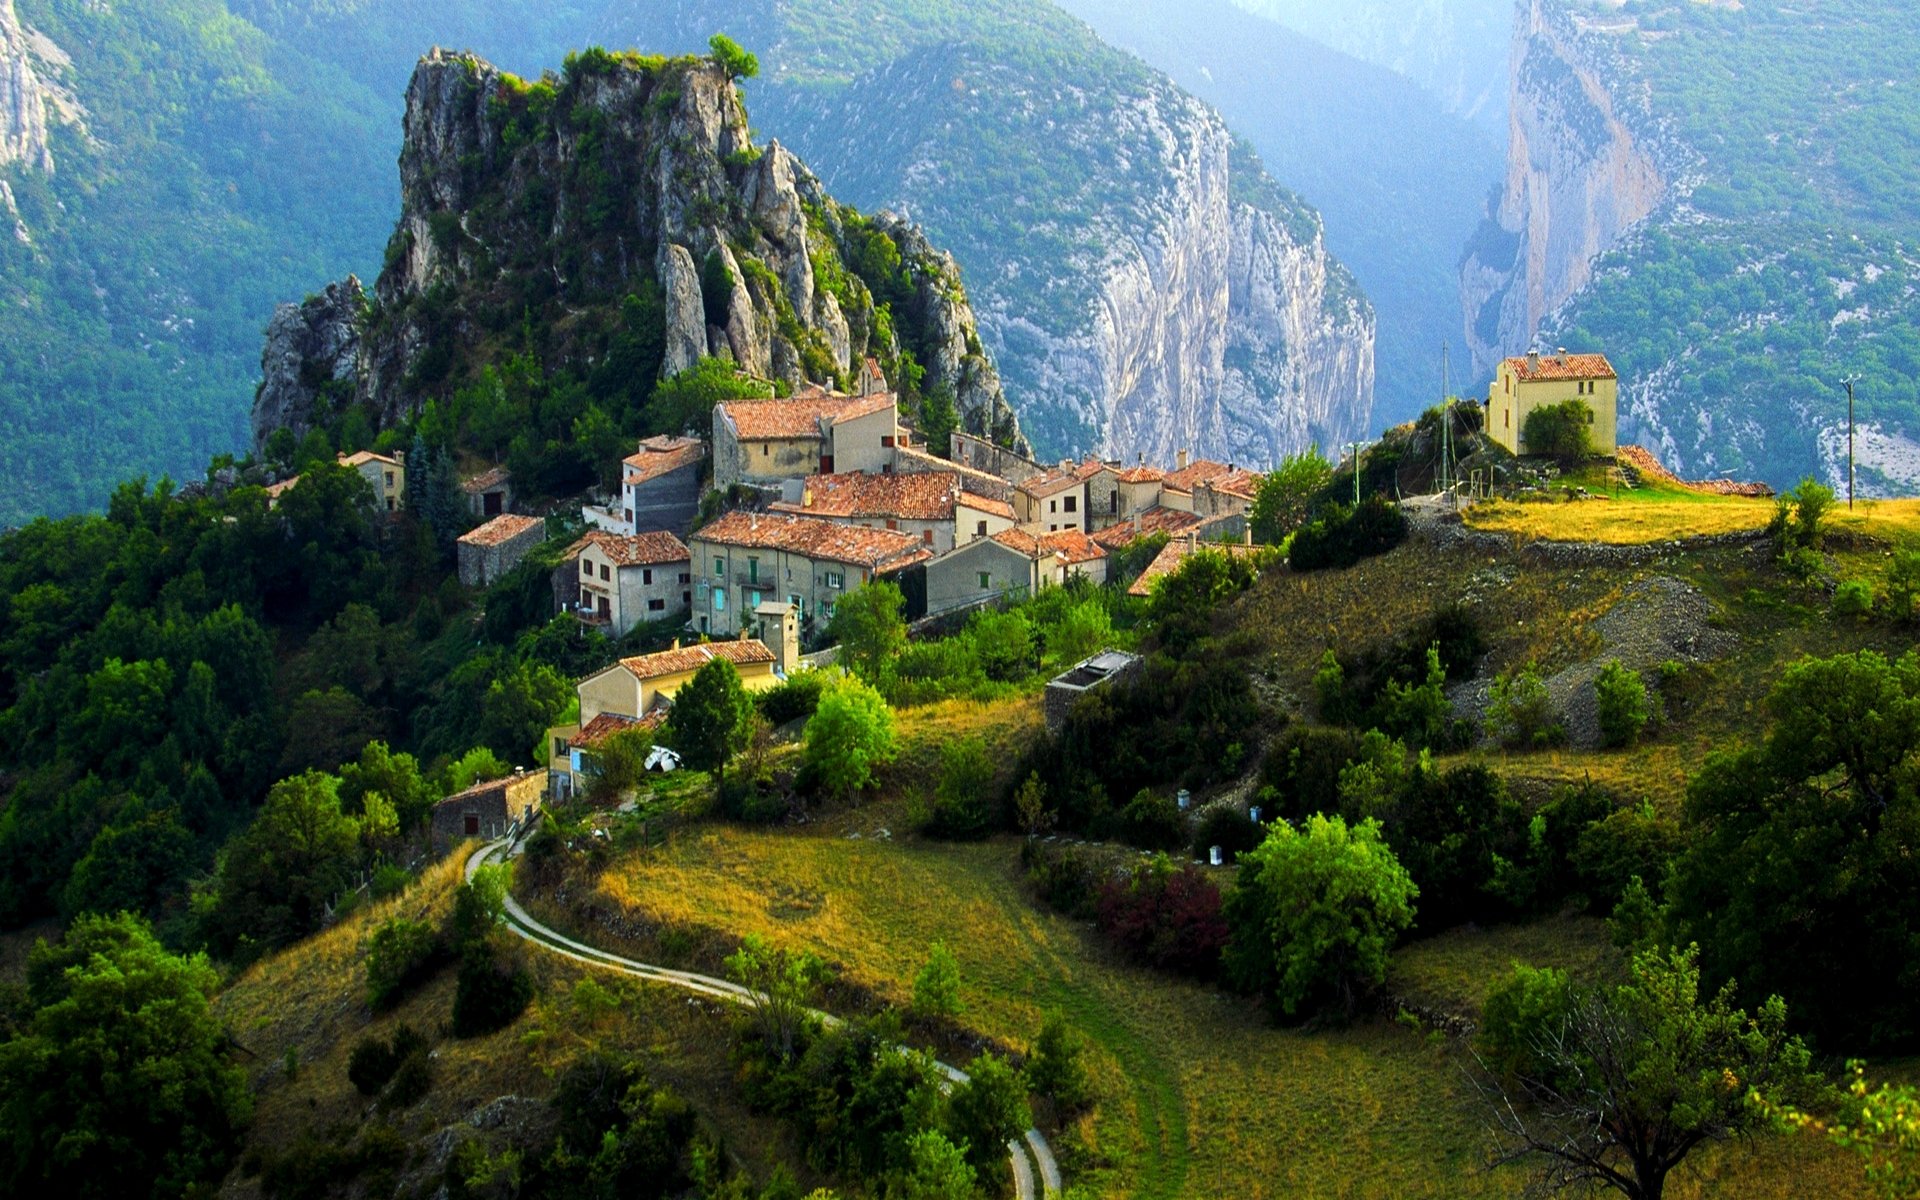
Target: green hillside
point(1793, 257)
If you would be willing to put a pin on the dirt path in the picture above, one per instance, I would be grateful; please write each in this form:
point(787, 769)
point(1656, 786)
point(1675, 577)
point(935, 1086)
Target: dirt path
point(522, 925)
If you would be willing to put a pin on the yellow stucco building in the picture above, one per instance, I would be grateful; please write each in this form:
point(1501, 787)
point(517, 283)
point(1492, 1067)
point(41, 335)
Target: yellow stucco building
point(1521, 385)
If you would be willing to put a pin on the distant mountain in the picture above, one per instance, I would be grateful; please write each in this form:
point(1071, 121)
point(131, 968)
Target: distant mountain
point(1721, 198)
point(1456, 49)
point(1400, 181)
point(1142, 282)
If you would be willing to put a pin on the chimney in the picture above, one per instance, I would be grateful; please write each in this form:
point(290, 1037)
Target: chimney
point(806, 497)
point(1136, 524)
point(1533, 360)
point(676, 643)
point(1246, 536)
point(1180, 460)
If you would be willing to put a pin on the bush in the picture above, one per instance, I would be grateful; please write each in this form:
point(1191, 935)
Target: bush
point(987, 1112)
point(1054, 1068)
point(1563, 431)
point(1853, 600)
point(1228, 828)
point(1166, 917)
point(1623, 704)
point(936, 989)
point(792, 700)
point(1522, 1012)
point(1066, 878)
point(963, 801)
point(1345, 536)
point(1520, 712)
point(399, 955)
point(491, 993)
point(1903, 583)
point(373, 1062)
point(1303, 770)
point(1629, 843)
point(1151, 822)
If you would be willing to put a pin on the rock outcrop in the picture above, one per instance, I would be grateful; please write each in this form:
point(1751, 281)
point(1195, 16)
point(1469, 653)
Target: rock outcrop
point(311, 359)
point(1587, 163)
point(565, 198)
point(23, 102)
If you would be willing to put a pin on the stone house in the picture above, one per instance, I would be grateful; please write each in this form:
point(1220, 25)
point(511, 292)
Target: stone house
point(1145, 523)
point(745, 559)
point(623, 581)
point(489, 493)
point(659, 488)
point(1011, 563)
point(979, 454)
point(936, 508)
point(385, 474)
point(1522, 385)
point(1106, 669)
point(1209, 489)
point(909, 459)
point(815, 432)
point(487, 553)
point(486, 810)
point(1056, 501)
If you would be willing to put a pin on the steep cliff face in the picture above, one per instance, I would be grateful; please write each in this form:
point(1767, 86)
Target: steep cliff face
point(311, 360)
point(630, 179)
point(23, 102)
point(1143, 284)
point(1587, 162)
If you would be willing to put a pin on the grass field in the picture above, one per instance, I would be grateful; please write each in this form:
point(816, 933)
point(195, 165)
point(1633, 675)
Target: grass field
point(1202, 1097)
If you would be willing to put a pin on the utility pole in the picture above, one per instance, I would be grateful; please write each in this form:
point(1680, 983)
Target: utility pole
point(1355, 451)
point(1446, 419)
point(1850, 381)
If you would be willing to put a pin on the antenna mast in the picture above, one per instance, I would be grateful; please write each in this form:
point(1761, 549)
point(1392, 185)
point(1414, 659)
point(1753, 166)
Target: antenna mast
point(1446, 418)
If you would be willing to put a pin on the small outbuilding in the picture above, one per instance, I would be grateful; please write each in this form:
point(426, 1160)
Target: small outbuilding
point(1102, 670)
point(487, 810)
point(497, 547)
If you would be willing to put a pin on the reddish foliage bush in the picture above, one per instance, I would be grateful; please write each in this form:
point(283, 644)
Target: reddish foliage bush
point(1166, 918)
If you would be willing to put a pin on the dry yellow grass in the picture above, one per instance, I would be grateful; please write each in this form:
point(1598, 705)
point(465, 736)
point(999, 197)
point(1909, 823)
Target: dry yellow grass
point(1201, 1096)
point(1624, 522)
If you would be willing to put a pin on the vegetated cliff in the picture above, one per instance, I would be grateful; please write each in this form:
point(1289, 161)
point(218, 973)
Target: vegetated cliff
point(1719, 197)
point(1586, 163)
point(557, 209)
point(32, 99)
point(1142, 283)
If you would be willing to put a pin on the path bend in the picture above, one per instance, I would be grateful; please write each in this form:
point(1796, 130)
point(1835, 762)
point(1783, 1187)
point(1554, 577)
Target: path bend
point(1027, 1186)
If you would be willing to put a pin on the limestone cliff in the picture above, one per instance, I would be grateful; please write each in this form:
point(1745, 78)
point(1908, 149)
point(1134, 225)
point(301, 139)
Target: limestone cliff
point(570, 201)
point(1587, 162)
point(1144, 286)
point(23, 102)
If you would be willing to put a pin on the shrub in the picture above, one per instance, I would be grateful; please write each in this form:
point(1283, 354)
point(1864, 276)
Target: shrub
point(1853, 600)
point(1629, 843)
point(1520, 711)
point(399, 955)
point(848, 736)
point(1345, 536)
point(1065, 878)
point(1228, 828)
point(963, 797)
point(1152, 822)
point(1623, 705)
point(1166, 917)
point(1563, 431)
point(1054, 1068)
point(374, 1062)
point(491, 993)
point(1303, 769)
point(936, 989)
point(792, 700)
point(1903, 583)
point(1522, 1012)
point(987, 1112)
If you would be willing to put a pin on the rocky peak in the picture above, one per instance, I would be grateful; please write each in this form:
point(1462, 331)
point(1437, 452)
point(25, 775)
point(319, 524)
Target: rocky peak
point(560, 198)
point(310, 359)
point(23, 100)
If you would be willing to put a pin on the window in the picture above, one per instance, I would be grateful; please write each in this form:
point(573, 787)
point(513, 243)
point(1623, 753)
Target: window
point(986, 580)
point(656, 605)
point(1071, 502)
point(1113, 501)
point(389, 478)
point(886, 441)
point(586, 568)
point(559, 747)
point(473, 823)
point(586, 598)
point(753, 570)
point(926, 536)
point(1506, 418)
point(719, 599)
point(719, 568)
point(1053, 529)
point(765, 450)
point(892, 524)
point(686, 577)
point(606, 573)
point(836, 579)
point(646, 576)
point(629, 513)
point(799, 606)
point(1053, 506)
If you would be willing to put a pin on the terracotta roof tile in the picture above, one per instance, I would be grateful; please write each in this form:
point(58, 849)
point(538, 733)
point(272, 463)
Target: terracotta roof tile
point(1158, 519)
point(1061, 478)
point(1072, 545)
point(1141, 474)
point(799, 416)
point(1174, 553)
point(645, 550)
point(986, 504)
point(503, 528)
point(875, 549)
point(362, 457)
point(661, 455)
point(1193, 474)
point(1562, 366)
point(911, 497)
point(692, 658)
point(595, 732)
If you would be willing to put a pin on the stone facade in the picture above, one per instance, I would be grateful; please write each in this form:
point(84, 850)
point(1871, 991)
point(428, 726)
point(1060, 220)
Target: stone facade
point(485, 810)
point(497, 547)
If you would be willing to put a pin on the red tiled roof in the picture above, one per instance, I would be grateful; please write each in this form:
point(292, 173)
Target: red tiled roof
point(1561, 366)
point(1174, 552)
point(1158, 519)
point(981, 483)
point(799, 416)
point(691, 658)
point(604, 726)
point(1236, 482)
point(1199, 471)
point(362, 457)
point(986, 504)
point(875, 549)
point(503, 528)
point(645, 550)
point(1072, 545)
point(660, 455)
point(276, 490)
point(1141, 474)
point(486, 787)
point(912, 497)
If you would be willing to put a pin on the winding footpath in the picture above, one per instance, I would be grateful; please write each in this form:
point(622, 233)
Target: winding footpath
point(1026, 1154)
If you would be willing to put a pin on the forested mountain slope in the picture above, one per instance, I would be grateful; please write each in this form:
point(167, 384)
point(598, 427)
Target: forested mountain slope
point(1399, 178)
point(1141, 281)
point(1721, 198)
